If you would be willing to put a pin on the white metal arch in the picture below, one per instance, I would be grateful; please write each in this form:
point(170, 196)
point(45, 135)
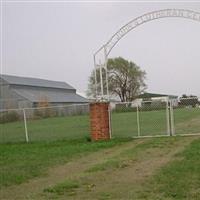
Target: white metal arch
point(100, 57)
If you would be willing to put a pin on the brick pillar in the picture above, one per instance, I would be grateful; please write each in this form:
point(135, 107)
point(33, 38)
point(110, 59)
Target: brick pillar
point(99, 120)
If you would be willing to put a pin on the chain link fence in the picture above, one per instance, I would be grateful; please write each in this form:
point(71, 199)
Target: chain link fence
point(148, 118)
point(153, 118)
point(124, 120)
point(187, 116)
point(44, 123)
point(12, 126)
point(143, 119)
point(156, 118)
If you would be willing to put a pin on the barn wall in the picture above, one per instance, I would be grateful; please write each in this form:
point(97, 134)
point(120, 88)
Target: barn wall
point(9, 99)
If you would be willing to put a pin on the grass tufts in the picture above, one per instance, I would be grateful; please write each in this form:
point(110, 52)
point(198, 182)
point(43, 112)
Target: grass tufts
point(65, 187)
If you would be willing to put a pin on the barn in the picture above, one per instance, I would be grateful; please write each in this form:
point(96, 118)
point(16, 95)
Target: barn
point(25, 92)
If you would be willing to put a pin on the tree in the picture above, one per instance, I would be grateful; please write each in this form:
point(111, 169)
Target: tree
point(125, 79)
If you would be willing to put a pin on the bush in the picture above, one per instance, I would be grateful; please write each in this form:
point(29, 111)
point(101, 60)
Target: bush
point(9, 117)
point(193, 101)
point(124, 108)
point(44, 110)
point(44, 113)
point(153, 106)
point(88, 138)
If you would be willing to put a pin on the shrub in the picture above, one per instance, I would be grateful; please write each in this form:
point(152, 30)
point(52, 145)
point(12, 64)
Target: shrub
point(88, 138)
point(153, 105)
point(193, 101)
point(11, 116)
point(124, 108)
point(44, 113)
point(43, 110)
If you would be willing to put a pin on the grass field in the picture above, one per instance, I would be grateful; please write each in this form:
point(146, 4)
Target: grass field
point(142, 169)
point(60, 162)
point(21, 162)
point(49, 129)
point(187, 120)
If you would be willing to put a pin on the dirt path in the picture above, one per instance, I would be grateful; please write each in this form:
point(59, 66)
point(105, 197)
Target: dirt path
point(60, 173)
point(124, 184)
point(108, 184)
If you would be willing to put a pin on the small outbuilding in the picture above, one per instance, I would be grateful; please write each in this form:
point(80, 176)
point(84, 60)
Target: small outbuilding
point(145, 97)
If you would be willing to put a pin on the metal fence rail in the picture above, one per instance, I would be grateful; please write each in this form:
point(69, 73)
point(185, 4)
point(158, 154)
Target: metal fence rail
point(44, 123)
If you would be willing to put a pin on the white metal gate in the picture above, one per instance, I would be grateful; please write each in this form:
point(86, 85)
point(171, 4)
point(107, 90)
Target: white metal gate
point(155, 118)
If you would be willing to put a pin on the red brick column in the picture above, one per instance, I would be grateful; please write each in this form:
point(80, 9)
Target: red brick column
point(99, 121)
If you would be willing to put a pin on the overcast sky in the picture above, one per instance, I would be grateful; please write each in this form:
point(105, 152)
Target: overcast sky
point(56, 41)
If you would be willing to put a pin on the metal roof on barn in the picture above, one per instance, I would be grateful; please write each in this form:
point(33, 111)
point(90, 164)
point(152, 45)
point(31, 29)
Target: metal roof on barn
point(18, 80)
point(41, 89)
point(38, 95)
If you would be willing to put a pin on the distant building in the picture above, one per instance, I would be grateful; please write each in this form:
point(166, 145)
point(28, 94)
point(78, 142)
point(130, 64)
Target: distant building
point(23, 92)
point(155, 97)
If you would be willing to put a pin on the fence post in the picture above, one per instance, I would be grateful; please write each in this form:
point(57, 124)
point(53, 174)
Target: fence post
point(110, 120)
point(25, 126)
point(168, 117)
point(172, 119)
point(138, 121)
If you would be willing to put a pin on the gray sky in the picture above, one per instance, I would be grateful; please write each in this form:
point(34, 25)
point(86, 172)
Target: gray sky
point(56, 41)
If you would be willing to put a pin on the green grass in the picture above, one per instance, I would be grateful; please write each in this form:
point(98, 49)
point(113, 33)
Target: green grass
point(109, 164)
point(180, 179)
point(67, 186)
point(55, 128)
point(127, 157)
point(187, 120)
point(21, 162)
